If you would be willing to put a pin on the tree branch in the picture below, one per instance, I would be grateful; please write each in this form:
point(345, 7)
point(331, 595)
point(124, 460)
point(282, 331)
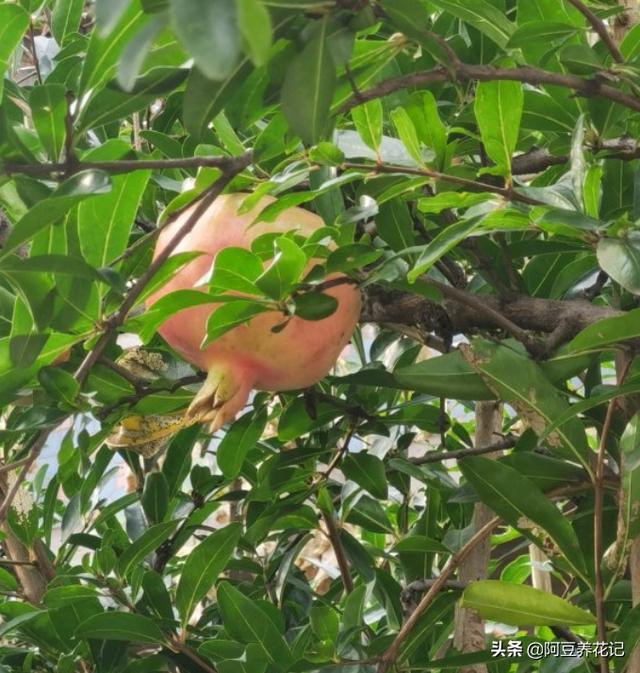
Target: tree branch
point(439, 456)
point(391, 655)
point(116, 167)
point(600, 29)
point(473, 185)
point(486, 73)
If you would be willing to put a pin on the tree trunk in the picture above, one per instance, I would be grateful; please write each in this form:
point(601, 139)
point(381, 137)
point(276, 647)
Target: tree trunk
point(469, 633)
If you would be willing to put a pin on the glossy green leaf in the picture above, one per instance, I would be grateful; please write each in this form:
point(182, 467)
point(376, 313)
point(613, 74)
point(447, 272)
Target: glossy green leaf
point(481, 14)
point(255, 26)
point(368, 121)
point(241, 437)
point(202, 568)
point(522, 605)
point(121, 626)
point(531, 393)
point(367, 471)
point(236, 269)
point(155, 497)
point(208, 30)
point(65, 19)
point(50, 210)
point(146, 544)
point(231, 315)
point(315, 305)
point(308, 88)
point(498, 109)
point(49, 109)
point(285, 270)
point(407, 133)
point(246, 622)
point(523, 505)
point(620, 258)
point(13, 24)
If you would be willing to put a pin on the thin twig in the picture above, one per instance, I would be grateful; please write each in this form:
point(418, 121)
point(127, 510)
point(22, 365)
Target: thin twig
point(600, 28)
point(439, 456)
point(13, 466)
point(188, 652)
point(34, 53)
point(69, 151)
point(116, 167)
point(508, 194)
point(336, 543)
point(487, 73)
point(391, 655)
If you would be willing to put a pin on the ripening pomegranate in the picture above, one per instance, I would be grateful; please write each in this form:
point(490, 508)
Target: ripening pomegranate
point(250, 356)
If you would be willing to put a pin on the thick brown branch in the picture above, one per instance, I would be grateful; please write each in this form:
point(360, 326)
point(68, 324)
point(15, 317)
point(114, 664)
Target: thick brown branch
point(528, 313)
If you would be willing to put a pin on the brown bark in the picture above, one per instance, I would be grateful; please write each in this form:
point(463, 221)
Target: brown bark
point(469, 633)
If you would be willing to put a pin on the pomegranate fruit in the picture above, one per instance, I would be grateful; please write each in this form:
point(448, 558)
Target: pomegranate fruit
point(250, 356)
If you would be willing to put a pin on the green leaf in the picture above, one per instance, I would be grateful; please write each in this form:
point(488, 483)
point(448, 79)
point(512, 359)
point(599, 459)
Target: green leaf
point(308, 88)
point(112, 105)
point(208, 30)
point(254, 21)
point(65, 19)
point(146, 544)
point(14, 21)
point(204, 99)
point(104, 50)
point(123, 626)
point(442, 243)
point(522, 504)
point(230, 315)
point(368, 121)
point(105, 222)
point(608, 331)
point(395, 224)
point(532, 394)
point(540, 31)
point(369, 514)
point(482, 15)
point(236, 269)
point(202, 568)
point(326, 154)
point(629, 634)
point(325, 623)
point(498, 108)
point(48, 211)
point(59, 384)
point(155, 497)
point(433, 133)
point(407, 133)
point(315, 305)
point(620, 258)
point(108, 13)
point(352, 256)
point(368, 472)
point(522, 605)
point(136, 51)
point(148, 323)
point(246, 622)
point(285, 270)
point(239, 439)
point(49, 109)
point(62, 264)
point(629, 518)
